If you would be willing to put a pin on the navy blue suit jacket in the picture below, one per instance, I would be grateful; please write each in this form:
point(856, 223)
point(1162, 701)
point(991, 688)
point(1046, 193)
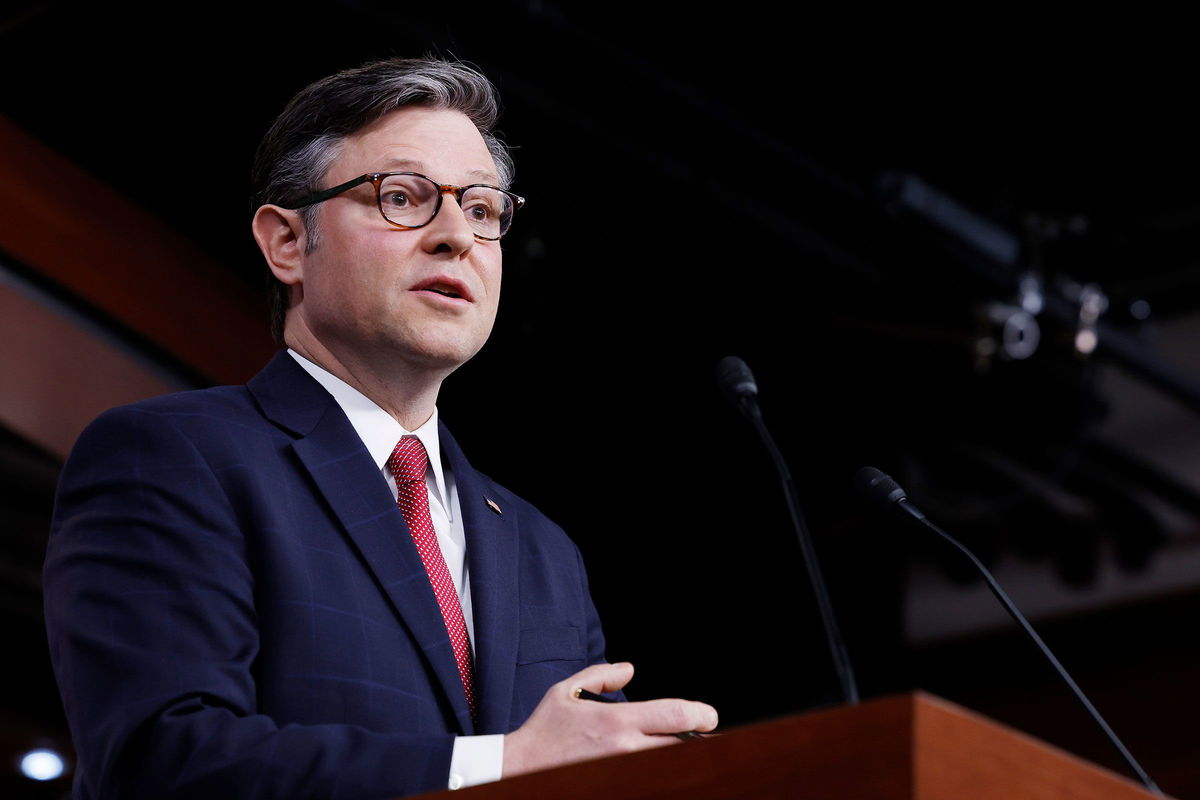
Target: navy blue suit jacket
point(236, 609)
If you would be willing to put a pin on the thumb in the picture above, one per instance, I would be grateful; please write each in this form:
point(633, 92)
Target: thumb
point(602, 677)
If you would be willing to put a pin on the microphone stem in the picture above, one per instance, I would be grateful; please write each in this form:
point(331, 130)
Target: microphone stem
point(1015, 613)
point(837, 647)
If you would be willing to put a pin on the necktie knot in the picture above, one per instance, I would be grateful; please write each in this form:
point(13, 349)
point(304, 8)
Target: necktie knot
point(408, 460)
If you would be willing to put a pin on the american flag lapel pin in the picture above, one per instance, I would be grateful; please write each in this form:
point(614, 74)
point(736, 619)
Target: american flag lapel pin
point(492, 505)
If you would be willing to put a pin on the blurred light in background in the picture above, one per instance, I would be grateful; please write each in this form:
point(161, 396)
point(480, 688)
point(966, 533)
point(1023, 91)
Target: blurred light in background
point(42, 765)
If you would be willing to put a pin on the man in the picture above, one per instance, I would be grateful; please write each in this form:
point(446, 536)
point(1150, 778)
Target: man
point(300, 587)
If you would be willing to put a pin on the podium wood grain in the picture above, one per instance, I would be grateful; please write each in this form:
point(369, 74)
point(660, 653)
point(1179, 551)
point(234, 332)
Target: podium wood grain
point(909, 746)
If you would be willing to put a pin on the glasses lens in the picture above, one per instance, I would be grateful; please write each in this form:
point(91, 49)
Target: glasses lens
point(408, 200)
point(488, 211)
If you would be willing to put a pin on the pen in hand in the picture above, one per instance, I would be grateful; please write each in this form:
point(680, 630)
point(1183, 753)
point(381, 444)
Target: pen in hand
point(584, 694)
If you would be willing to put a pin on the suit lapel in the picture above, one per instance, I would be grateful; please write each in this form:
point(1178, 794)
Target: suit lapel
point(492, 563)
point(356, 491)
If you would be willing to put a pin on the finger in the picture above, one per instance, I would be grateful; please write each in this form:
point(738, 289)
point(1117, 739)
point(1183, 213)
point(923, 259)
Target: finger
point(672, 716)
point(601, 677)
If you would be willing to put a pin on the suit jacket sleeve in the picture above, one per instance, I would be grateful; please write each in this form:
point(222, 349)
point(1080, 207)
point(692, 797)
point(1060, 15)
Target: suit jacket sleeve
point(152, 621)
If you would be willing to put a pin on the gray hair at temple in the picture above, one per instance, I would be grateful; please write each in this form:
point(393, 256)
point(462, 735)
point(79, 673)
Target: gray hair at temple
point(306, 137)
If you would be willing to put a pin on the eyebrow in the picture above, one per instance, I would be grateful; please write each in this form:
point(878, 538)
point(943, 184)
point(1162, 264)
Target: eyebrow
point(409, 165)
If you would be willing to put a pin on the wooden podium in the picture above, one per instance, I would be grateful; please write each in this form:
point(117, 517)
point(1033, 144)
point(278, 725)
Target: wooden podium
point(909, 746)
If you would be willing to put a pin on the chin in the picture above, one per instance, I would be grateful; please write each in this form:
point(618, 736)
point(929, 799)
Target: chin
point(445, 357)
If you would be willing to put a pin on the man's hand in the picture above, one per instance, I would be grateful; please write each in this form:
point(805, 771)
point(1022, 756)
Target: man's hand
point(564, 728)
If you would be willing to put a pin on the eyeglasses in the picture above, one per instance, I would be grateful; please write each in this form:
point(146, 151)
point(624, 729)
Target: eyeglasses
point(410, 200)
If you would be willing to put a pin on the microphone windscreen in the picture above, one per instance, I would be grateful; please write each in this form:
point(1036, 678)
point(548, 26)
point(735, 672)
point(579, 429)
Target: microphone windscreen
point(735, 379)
point(878, 487)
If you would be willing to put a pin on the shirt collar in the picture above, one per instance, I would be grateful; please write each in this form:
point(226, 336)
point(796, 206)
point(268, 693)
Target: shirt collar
point(377, 428)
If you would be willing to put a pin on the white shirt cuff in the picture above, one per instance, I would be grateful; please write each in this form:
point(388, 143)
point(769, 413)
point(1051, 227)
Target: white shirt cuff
point(476, 760)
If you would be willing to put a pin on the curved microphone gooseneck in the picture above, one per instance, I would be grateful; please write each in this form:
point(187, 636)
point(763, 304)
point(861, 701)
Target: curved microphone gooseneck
point(885, 492)
point(738, 384)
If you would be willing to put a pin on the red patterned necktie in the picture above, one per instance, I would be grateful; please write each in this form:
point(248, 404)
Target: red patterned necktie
point(407, 464)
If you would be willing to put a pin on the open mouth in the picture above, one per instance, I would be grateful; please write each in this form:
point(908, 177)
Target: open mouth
point(446, 287)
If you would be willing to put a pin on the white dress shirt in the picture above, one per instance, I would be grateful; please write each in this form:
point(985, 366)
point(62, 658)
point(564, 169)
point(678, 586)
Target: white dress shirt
point(476, 759)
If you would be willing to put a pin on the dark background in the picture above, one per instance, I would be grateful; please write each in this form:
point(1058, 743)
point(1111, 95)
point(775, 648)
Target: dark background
point(701, 184)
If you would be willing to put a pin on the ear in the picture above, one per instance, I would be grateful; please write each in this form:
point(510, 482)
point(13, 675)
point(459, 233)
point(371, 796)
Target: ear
point(280, 236)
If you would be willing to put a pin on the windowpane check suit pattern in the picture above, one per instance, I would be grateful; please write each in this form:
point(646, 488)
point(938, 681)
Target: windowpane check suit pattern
point(235, 606)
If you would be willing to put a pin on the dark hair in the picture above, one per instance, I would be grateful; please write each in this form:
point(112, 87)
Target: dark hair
point(306, 137)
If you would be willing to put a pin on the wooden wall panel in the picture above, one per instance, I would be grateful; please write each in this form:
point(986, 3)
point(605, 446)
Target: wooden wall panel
point(104, 249)
point(57, 375)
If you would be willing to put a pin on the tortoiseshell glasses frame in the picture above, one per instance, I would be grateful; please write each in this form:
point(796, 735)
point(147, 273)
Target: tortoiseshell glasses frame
point(491, 213)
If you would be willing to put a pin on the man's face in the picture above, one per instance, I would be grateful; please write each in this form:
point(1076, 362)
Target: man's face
point(371, 291)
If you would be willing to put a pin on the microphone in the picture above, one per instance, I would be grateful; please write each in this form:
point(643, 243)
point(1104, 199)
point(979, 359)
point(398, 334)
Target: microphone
point(883, 491)
point(880, 490)
point(738, 384)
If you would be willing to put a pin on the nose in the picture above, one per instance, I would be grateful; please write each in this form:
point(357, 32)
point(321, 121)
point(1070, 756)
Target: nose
point(449, 232)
